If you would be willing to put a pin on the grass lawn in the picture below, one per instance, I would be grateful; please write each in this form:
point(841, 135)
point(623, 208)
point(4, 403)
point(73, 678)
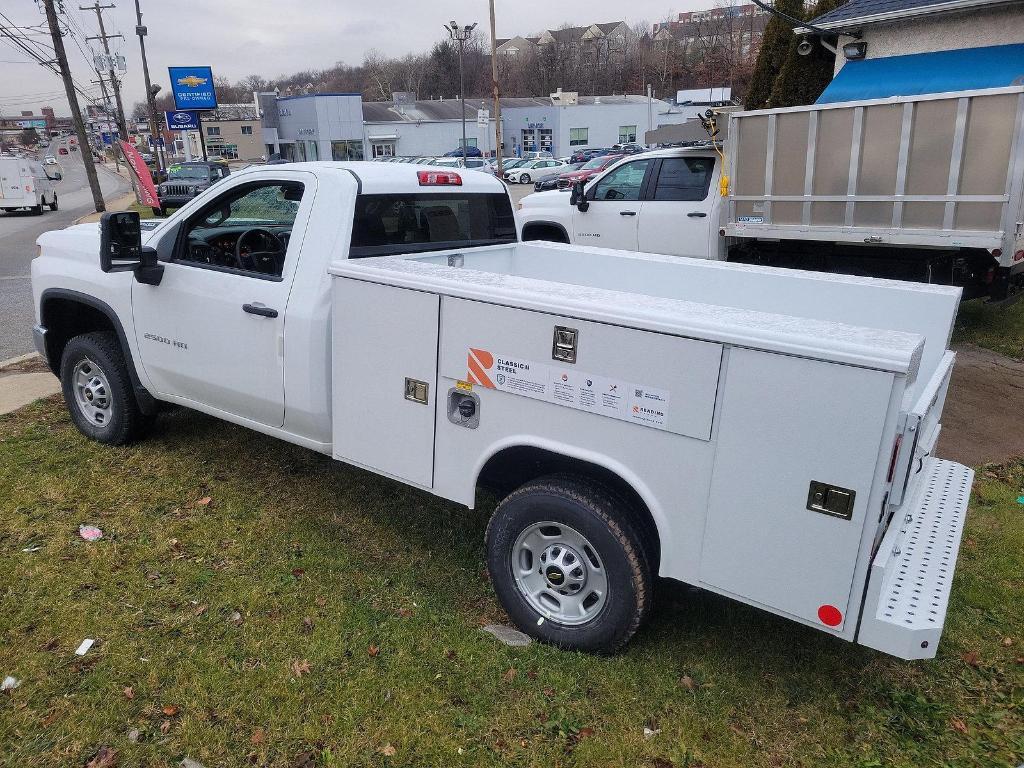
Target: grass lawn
point(1000, 329)
point(254, 603)
point(144, 212)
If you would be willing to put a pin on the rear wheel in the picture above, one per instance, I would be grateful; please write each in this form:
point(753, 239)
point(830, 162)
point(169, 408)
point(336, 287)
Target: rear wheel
point(53, 205)
point(37, 210)
point(98, 391)
point(568, 564)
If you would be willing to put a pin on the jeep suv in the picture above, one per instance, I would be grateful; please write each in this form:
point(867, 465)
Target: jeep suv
point(185, 181)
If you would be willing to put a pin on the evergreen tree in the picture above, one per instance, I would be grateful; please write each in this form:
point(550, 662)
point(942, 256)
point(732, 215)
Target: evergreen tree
point(801, 79)
point(778, 35)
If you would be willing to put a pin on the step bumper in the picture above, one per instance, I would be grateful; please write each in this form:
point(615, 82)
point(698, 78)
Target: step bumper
point(912, 573)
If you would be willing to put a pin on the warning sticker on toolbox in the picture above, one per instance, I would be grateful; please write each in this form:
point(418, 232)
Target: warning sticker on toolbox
point(569, 387)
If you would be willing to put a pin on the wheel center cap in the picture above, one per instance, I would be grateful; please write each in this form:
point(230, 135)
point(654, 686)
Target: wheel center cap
point(554, 576)
point(88, 394)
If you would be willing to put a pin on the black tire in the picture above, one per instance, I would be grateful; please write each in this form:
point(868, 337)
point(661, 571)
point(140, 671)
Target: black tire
point(524, 179)
point(159, 212)
point(124, 422)
point(607, 524)
point(53, 205)
point(37, 210)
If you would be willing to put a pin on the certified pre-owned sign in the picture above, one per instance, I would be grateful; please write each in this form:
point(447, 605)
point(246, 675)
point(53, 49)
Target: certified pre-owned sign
point(182, 120)
point(193, 87)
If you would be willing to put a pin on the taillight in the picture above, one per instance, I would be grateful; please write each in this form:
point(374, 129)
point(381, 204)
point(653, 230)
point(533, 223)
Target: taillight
point(439, 179)
point(892, 461)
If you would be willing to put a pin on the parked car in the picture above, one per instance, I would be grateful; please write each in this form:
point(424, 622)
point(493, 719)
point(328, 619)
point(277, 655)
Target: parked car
point(541, 155)
point(629, 148)
point(552, 182)
point(588, 170)
point(470, 152)
point(589, 154)
point(185, 181)
point(74, 147)
point(534, 170)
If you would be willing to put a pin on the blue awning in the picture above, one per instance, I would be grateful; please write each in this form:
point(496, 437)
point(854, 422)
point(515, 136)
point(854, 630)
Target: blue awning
point(963, 69)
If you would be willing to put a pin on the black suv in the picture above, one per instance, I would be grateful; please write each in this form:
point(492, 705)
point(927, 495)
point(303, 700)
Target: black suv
point(185, 181)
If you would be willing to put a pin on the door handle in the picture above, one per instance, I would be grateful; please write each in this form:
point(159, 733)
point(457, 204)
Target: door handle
point(696, 214)
point(627, 213)
point(259, 309)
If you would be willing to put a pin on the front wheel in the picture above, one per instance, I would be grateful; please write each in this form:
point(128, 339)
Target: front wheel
point(53, 205)
point(524, 179)
point(568, 564)
point(98, 390)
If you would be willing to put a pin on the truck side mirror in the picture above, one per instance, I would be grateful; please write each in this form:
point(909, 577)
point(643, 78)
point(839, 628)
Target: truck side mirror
point(120, 241)
point(121, 248)
point(579, 197)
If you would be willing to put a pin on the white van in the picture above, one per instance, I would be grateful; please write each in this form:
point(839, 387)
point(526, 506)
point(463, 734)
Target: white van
point(25, 184)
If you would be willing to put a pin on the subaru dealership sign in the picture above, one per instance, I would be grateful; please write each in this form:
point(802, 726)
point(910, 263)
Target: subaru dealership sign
point(193, 87)
point(182, 120)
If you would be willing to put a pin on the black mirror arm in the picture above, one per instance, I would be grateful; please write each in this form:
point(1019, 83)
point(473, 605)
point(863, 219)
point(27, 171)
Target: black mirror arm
point(149, 271)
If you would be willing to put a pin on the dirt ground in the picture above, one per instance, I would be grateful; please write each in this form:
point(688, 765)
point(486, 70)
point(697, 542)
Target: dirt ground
point(983, 420)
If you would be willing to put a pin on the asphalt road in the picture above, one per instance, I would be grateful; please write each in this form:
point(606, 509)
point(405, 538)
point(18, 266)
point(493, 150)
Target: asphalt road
point(18, 233)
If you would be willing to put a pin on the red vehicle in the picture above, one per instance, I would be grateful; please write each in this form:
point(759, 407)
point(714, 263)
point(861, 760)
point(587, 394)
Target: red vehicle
point(588, 170)
point(62, 151)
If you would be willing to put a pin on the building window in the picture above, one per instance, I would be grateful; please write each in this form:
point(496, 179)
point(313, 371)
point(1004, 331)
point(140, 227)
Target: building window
point(383, 149)
point(247, 130)
point(529, 140)
point(346, 150)
point(547, 139)
point(229, 151)
point(627, 133)
point(213, 130)
point(578, 137)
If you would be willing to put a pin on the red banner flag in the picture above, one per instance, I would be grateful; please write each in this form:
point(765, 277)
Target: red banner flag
point(144, 189)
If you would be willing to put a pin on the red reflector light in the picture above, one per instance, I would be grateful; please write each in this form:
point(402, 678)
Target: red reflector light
point(439, 179)
point(830, 616)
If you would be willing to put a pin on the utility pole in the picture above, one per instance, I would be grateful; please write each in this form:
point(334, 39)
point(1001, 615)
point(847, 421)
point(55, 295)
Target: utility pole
point(106, 113)
point(122, 126)
point(461, 35)
point(497, 100)
point(154, 123)
point(76, 113)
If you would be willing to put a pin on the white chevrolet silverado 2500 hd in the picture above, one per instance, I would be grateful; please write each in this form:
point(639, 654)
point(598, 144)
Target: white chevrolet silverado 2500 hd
point(763, 434)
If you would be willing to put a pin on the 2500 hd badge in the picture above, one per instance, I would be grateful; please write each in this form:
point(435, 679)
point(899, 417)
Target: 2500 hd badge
point(165, 340)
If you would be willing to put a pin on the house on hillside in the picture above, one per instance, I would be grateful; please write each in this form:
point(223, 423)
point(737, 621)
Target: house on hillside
point(610, 35)
point(908, 47)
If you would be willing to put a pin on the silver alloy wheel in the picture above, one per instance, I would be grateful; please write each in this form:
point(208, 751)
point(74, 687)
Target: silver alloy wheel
point(92, 392)
point(559, 573)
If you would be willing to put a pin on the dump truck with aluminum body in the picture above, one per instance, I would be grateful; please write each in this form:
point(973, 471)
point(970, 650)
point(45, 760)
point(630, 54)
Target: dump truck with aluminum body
point(926, 188)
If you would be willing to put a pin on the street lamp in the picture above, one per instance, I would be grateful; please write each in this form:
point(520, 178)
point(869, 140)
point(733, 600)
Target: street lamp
point(461, 35)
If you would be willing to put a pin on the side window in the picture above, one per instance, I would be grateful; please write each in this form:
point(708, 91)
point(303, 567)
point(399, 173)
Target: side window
point(245, 230)
point(684, 178)
point(623, 183)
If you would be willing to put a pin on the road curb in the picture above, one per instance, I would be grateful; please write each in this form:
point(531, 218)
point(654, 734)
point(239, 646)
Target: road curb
point(17, 360)
point(118, 204)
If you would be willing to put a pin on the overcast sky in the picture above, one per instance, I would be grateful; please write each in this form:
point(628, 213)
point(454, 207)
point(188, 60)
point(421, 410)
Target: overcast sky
point(276, 37)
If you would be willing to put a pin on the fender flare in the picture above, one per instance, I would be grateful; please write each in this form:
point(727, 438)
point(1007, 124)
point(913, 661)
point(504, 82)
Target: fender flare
point(147, 403)
point(552, 224)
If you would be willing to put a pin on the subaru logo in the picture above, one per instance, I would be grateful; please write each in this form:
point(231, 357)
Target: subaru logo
point(182, 117)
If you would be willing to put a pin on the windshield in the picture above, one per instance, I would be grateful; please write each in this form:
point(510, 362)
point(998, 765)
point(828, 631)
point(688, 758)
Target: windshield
point(188, 172)
point(598, 162)
point(407, 223)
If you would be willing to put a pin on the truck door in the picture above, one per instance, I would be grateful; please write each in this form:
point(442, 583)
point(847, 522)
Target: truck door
point(676, 218)
point(212, 332)
point(615, 200)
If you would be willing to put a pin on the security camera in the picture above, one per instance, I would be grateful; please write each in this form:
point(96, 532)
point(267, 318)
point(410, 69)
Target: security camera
point(805, 48)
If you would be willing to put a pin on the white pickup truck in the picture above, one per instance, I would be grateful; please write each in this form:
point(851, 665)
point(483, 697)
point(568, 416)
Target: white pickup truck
point(764, 434)
point(927, 188)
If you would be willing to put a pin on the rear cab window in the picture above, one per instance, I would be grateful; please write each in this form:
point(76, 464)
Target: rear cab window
point(684, 178)
point(389, 224)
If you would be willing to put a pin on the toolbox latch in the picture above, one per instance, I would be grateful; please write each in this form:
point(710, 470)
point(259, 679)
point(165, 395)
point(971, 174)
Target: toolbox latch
point(563, 346)
point(830, 500)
